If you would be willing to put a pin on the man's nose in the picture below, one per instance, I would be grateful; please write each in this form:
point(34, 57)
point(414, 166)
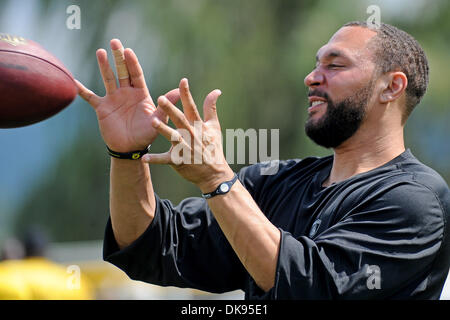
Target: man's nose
point(314, 79)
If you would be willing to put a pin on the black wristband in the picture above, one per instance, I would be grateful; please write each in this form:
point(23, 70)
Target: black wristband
point(133, 155)
point(223, 188)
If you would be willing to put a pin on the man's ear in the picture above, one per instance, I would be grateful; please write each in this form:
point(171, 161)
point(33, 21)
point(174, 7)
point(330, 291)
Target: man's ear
point(394, 85)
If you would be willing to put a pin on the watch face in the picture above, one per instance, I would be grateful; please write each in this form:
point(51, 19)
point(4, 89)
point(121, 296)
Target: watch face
point(224, 187)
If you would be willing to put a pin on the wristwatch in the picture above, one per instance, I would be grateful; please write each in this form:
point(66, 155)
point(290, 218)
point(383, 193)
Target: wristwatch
point(223, 188)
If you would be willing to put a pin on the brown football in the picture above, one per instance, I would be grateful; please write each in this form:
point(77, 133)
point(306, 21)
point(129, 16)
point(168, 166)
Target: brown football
point(34, 85)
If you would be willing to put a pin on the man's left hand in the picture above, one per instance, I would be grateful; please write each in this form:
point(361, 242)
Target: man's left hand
point(196, 152)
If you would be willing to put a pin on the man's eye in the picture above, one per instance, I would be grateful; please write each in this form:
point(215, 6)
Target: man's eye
point(334, 66)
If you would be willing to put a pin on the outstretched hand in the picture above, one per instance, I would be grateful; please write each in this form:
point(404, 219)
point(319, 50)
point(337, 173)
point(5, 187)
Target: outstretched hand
point(130, 121)
point(196, 152)
point(126, 111)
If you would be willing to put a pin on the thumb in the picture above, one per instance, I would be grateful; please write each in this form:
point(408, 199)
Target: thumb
point(87, 94)
point(209, 106)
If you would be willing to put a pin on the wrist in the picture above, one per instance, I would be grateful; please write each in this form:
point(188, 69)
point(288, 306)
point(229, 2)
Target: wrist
point(223, 188)
point(130, 155)
point(126, 145)
point(215, 180)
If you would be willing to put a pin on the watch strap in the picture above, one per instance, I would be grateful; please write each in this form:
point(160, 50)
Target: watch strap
point(223, 188)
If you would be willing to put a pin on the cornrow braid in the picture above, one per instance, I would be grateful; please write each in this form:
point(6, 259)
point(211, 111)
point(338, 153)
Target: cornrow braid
point(396, 50)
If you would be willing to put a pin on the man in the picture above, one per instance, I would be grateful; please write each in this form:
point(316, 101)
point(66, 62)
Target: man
point(367, 222)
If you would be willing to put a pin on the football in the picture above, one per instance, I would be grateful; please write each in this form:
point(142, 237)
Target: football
point(34, 85)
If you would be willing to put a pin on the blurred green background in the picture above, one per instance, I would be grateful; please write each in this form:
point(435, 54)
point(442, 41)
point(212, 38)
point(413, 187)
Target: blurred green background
point(56, 173)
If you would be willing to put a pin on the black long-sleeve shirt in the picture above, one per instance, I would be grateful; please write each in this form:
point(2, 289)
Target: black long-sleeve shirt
point(382, 234)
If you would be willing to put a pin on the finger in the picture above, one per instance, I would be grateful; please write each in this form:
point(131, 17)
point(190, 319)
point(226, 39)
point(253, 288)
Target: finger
point(209, 106)
point(109, 80)
point(121, 66)
point(169, 133)
point(161, 115)
point(189, 107)
point(135, 70)
point(173, 96)
point(175, 114)
point(157, 158)
point(87, 95)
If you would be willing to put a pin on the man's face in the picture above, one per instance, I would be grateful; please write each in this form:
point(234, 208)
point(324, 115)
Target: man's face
point(340, 87)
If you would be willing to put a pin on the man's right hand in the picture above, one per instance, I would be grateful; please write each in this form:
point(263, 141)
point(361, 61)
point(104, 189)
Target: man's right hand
point(125, 113)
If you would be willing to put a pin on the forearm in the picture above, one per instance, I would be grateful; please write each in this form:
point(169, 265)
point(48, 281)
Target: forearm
point(132, 200)
point(253, 237)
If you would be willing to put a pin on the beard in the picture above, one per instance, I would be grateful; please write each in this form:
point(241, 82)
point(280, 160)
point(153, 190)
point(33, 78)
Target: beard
point(341, 119)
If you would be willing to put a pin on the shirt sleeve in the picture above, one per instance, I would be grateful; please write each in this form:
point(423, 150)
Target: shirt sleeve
point(385, 244)
point(183, 247)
